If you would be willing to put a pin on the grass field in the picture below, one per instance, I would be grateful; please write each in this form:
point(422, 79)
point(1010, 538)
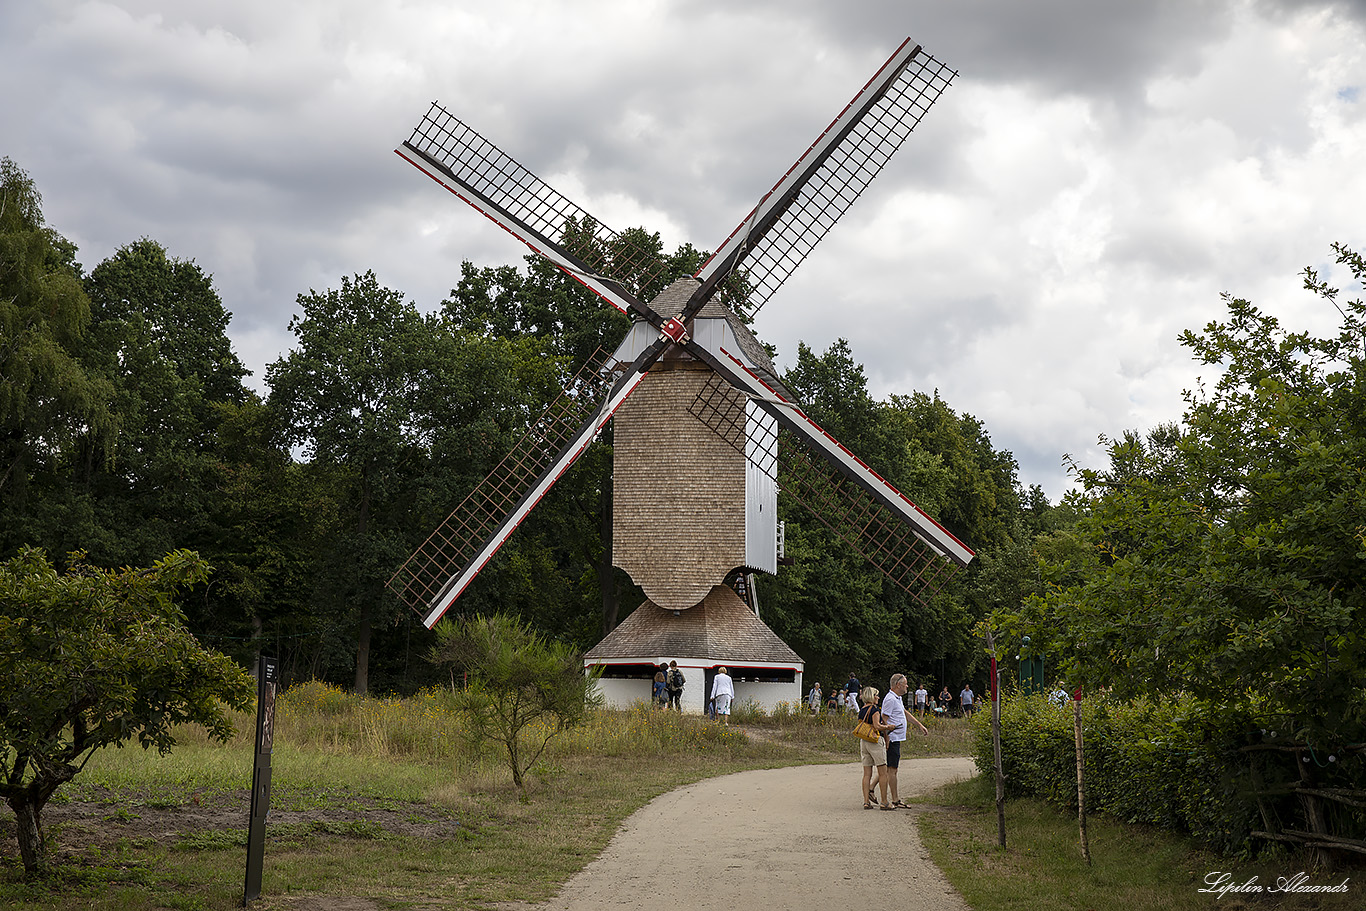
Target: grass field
point(384, 798)
point(1135, 868)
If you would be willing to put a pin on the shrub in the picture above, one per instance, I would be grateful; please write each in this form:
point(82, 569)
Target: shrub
point(1150, 764)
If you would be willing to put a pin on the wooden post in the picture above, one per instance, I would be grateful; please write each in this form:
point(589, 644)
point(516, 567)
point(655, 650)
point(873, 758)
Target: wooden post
point(267, 670)
point(996, 742)
point(1081, 778)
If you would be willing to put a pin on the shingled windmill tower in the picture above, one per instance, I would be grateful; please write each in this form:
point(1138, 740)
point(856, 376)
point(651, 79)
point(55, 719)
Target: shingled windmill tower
point(703, 423)
point(693, 508)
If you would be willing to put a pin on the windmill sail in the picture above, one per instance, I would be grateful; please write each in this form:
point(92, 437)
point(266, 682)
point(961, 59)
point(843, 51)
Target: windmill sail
point(491, 181)
point(820, 487)
point(437, 573)
point(793, 217)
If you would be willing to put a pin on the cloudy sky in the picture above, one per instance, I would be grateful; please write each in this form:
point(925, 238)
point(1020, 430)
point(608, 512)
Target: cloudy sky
point(1098, 174)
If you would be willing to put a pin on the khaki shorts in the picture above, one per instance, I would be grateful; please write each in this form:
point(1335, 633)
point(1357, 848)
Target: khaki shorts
point(872, 754)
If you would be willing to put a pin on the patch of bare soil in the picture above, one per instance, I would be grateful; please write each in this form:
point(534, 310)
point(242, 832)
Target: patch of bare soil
point(106, 818)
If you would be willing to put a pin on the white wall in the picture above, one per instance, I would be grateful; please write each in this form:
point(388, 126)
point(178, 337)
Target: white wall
point(621, 693)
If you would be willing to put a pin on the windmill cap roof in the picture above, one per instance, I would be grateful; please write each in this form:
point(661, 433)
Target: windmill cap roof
point(670, 302)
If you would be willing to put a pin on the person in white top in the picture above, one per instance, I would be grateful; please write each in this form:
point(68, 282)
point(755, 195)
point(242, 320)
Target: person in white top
point(722, 694)
point(894, 712)
point(922, 697)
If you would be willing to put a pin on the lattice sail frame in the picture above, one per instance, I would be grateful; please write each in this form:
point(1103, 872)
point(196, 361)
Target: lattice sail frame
point(490, 172)
point(875, 532)
point(841, 178)
point(426, 574)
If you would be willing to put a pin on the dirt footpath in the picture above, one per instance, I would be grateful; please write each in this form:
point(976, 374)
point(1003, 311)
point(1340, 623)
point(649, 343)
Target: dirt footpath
point(775, 839)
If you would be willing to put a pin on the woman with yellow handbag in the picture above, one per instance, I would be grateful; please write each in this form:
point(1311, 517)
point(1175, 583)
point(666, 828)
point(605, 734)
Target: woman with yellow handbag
point(874, 753)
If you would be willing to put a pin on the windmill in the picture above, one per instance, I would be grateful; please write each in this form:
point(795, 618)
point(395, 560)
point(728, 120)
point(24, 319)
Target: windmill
point(697, 399)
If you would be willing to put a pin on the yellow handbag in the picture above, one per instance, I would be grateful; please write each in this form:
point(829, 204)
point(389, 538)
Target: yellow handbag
point(864, 730)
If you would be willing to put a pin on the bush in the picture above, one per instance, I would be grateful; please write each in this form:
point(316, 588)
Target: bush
point(1148, 764)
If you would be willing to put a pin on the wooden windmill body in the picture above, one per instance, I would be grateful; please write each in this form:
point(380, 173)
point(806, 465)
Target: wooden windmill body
point(691, 508)
point(688, 505)
point(699, 409)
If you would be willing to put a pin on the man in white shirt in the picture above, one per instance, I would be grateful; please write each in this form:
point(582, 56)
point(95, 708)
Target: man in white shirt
point(894, 712)
point(722, 693)
point(922, 697)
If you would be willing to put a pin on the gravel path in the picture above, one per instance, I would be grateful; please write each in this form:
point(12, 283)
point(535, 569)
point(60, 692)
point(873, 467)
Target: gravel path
point(774, 840)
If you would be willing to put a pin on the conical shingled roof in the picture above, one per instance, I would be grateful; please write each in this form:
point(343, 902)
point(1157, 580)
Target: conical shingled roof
point(721, 628)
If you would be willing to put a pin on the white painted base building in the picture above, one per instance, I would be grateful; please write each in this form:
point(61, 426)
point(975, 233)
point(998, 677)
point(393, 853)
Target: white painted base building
point(720, 631)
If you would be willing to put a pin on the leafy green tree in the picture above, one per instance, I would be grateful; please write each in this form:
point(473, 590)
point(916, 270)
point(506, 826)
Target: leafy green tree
point(265, 526)
point(95, 657)
point(1226, 551)
point(48, 399)
point(983, 503)
point(523, 690)
point(144, 296)
point(158, 337)
point(406, 413)
point(347, 395)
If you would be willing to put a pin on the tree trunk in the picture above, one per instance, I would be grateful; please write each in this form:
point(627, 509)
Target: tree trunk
point(1081, 782)
point(366, 611)
point(363, 652)
point(32, 848)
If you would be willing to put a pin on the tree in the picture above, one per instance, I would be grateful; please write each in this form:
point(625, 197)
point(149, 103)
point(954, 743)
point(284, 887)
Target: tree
point(1226, 552)
point(158, 337)
point(518, 680)
point(406, 413)
point(48, 400)
point(347, 395)
point(95, 657)
point(144, 296)
point(983, 502)
point(268, 518)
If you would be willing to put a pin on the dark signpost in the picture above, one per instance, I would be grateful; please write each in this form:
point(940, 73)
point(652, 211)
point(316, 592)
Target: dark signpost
point(260, 777)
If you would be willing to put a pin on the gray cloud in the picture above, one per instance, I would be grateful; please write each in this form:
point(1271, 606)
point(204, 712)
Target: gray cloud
point(1099, 172)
